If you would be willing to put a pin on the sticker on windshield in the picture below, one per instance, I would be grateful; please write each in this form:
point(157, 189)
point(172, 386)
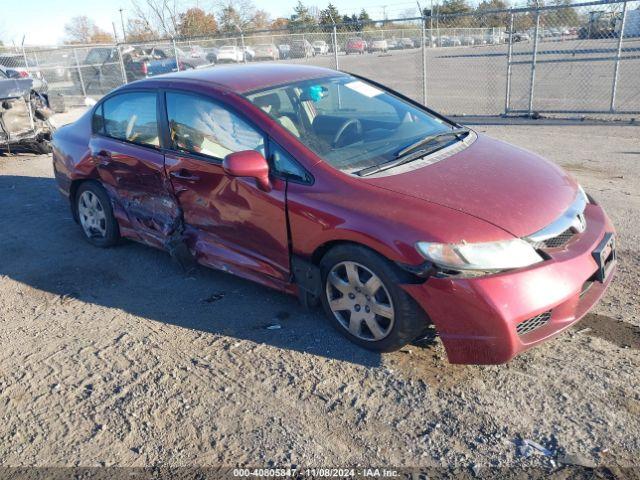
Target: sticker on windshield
point(363, 88)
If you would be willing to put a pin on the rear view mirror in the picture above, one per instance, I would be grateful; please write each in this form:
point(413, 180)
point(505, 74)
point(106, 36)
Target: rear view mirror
point(248, 163)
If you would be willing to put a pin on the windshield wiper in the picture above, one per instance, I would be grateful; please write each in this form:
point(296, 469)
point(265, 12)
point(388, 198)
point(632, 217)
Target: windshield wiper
point(430, 138)
point(406, 155)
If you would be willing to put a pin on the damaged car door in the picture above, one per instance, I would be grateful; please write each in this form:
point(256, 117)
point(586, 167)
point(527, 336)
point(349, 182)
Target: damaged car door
point(125, 148)
point(231, 223)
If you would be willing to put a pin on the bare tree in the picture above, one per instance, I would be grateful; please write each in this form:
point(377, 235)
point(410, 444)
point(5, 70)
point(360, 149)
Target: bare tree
point(84, 30)
point(162, 16)
point(79, 29)
point(235, 14)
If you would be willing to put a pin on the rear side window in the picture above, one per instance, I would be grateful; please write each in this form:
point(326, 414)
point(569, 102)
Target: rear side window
point(199, 125)
point(131, 117)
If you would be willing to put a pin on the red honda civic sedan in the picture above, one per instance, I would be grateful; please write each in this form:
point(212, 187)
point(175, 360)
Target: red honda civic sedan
point(339, 190)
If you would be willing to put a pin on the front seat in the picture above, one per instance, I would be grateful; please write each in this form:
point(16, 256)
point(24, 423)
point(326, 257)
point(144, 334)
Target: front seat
point(270, 103)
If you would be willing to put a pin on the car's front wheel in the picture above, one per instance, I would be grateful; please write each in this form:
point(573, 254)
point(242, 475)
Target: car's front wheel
point(96, 215)
point(363, 298)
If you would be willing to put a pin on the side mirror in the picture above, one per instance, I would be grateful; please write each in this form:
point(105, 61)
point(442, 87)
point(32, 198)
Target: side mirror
point(248, 163)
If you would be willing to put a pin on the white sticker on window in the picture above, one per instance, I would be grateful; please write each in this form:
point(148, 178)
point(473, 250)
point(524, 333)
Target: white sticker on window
point(363, 88)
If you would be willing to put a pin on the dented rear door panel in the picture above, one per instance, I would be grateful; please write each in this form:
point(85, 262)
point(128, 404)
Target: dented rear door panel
point(135, 178)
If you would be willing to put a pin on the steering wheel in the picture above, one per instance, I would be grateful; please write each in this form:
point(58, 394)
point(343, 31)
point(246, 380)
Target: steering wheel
point(348, 123)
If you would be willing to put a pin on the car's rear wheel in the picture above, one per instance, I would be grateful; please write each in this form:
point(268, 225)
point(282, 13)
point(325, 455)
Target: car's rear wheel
point(361, 295)
point(96, 215)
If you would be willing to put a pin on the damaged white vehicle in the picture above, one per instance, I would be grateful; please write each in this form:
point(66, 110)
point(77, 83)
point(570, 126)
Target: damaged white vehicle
point(24, 116)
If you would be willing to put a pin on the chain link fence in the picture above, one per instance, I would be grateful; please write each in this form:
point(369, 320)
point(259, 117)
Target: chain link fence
point(578, 59)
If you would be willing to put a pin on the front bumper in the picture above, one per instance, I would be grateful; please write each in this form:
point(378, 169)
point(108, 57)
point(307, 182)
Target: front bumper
point(477, 318)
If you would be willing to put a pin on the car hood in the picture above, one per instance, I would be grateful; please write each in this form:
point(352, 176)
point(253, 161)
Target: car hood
point(511, 188)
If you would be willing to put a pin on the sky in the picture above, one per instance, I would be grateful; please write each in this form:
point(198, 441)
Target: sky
point(41, 22)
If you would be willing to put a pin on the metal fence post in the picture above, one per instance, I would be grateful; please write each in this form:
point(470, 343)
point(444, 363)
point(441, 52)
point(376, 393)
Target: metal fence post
point(532, 82)
point(175, 52)
point(75, 55)
point(335, 46)
point(507, 95)
point(424, 61)
point(616, 67)
point(244, 53)
point(125, 80)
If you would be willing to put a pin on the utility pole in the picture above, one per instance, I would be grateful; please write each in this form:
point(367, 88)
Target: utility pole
point(124, 32)
point(115, 32)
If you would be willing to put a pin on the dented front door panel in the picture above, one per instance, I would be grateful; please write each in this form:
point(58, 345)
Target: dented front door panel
point(230, 223)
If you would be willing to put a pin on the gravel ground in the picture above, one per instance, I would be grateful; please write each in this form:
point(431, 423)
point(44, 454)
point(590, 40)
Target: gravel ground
point(115, 357)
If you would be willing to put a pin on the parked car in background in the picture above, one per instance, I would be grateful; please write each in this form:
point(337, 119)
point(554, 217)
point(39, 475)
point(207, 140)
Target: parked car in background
point(378, 46)
point(212, 55)
point(24, 115)
point(301, 49)
point(342, 194)
point(355, 45)
point(101, 69)
point(320, 47)
point(468, 40)
point(406, 43)
point(520, 37)
point(447, 41)
point(230, 53)
point(196, 51)
point(266, 51)
point(284, 50)
point(394, 44)
point(16, 66)
point(249, 53)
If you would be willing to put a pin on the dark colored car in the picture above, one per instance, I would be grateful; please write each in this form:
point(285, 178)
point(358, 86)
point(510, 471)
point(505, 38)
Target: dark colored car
point(301, 49)
point(102, 70)
point(334, 188)
point(355, 45)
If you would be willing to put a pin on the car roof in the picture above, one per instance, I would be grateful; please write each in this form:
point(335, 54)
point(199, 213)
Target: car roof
point(246, 78)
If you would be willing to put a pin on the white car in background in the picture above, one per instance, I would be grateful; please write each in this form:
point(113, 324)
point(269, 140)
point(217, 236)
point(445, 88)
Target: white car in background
point(378, 46)
point(320, 47)
point(230, 53)
point(266, 51)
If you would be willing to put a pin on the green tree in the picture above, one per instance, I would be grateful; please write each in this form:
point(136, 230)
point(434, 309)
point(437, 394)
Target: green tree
point(301, 17)
point(449, 7)
point(566, 16)
point(493, 19)
point(329, 15)
point(364, 16)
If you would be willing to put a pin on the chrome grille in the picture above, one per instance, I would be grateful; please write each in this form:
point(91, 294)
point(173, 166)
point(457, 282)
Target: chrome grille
point(533, 323)
point(557, 234)
point(557, 241)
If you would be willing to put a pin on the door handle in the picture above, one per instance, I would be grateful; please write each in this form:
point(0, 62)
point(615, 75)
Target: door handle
point(184, 175)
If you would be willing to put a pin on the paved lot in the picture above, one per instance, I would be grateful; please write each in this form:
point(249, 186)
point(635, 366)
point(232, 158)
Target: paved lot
point(115, 357)
point(471, 80)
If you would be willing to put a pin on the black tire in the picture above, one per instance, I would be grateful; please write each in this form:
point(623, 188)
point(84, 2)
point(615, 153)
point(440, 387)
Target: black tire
point(410, 321)
point(112, 231)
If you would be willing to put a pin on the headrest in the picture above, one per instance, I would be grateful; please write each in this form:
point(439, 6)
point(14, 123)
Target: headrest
point(269, 100)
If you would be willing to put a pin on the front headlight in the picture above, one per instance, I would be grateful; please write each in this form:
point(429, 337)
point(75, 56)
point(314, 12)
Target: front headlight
point(490, 256)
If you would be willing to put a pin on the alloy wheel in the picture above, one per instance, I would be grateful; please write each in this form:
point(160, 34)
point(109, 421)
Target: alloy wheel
point(360, 301)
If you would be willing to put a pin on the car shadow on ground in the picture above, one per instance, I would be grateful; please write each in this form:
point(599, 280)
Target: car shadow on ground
point(42, 247)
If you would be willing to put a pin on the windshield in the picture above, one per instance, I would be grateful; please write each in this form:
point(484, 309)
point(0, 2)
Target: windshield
point(347, 122)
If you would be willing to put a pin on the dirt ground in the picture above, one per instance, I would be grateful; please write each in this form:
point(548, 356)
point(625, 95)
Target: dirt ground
point(116, 357)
